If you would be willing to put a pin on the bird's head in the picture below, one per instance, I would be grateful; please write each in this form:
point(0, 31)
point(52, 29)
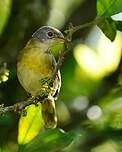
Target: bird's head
point(49, 35)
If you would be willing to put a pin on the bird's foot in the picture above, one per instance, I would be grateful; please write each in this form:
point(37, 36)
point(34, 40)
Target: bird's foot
point(47, 81)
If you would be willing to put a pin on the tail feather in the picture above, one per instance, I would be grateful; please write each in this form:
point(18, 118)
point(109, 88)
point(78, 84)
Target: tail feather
point(49, 113)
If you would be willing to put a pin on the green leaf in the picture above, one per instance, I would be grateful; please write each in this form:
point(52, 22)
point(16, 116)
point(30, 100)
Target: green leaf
point(5, 8)
point(49, 141)
point(108, 26)
point(108, 7)
point(118, 25)
point(30, 125)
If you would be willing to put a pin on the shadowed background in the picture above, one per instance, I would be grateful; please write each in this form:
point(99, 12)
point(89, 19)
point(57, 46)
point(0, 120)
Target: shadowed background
point(90, 100)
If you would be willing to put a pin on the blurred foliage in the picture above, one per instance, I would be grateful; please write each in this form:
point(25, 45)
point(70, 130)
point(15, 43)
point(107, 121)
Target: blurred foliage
point(89, 106)
point(61, 10)
point(5, 6)
point(91, 57)
point(4, 73)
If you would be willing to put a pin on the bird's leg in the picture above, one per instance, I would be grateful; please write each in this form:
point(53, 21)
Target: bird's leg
point(46, 81)
point(28, 95)
point(47, 85)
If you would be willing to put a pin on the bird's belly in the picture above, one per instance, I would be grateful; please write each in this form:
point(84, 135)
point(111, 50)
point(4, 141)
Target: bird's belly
point(31, 70)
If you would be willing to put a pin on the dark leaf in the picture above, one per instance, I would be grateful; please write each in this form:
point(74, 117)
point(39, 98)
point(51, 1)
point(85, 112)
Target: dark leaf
point(108, 26)
point(118, 25)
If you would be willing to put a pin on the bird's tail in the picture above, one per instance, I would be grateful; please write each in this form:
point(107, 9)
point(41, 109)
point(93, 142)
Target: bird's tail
point(49, 113)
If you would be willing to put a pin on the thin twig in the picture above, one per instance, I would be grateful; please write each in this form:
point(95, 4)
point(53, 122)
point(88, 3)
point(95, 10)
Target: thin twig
point(60, 59)
point(72, 29)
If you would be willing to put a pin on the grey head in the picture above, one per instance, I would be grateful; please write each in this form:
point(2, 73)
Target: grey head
point(47, 33)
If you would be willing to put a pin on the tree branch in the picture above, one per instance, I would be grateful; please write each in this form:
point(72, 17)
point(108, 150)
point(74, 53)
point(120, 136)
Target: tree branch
point(18, 107)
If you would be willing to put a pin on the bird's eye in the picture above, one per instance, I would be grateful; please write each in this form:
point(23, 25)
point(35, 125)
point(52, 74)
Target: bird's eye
point(50, 34)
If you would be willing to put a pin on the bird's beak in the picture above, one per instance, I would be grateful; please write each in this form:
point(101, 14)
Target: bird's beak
point(62, 38)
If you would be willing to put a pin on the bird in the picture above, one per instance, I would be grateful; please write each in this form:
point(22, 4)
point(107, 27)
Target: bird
point(36, 65)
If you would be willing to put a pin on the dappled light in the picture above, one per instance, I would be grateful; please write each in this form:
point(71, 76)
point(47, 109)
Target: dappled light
point(99, 57)
point(94, 112)
point(61, 10)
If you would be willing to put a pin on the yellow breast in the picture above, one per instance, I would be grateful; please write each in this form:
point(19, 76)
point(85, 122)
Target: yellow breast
point(33, 65)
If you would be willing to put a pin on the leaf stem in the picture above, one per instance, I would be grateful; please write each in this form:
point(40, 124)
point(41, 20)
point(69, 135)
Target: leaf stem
point(72, 29)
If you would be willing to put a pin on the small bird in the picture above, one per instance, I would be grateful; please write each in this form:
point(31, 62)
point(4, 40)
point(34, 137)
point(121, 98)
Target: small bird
point(35, 68)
